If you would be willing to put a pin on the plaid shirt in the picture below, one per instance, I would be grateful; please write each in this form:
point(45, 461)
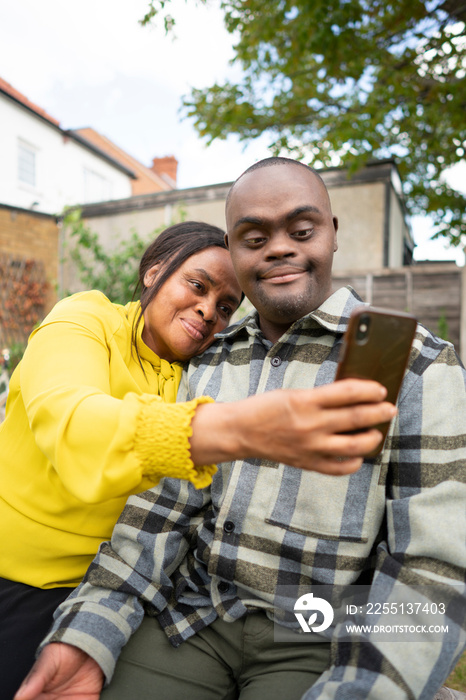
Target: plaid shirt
point(191, 556)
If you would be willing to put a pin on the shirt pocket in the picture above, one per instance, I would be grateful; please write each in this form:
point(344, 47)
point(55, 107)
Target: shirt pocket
point(328, 507)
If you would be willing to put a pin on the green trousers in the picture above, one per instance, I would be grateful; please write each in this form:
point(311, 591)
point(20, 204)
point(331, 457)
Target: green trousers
point(225, 661)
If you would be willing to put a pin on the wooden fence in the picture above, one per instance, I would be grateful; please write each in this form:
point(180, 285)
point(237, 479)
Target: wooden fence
point(433, 292)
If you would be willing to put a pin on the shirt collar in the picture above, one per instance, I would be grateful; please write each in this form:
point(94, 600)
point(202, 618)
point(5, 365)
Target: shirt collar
point(333, 315)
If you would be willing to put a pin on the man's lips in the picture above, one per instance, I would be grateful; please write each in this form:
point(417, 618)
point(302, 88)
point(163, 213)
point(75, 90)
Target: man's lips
point(196, 329)
point(283, 274)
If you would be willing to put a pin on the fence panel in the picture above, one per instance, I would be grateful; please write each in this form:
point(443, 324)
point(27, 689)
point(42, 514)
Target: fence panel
point(431, 294)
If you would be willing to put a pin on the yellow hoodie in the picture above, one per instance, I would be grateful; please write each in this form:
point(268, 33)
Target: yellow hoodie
point(85, 427)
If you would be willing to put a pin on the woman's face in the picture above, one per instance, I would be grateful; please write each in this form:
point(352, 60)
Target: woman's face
point(196, 302)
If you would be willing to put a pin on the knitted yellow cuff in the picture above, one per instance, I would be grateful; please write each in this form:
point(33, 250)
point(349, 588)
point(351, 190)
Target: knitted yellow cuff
point(162, 441)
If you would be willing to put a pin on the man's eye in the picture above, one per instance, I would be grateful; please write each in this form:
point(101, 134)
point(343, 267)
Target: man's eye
point(303, 233)
point(254, 240)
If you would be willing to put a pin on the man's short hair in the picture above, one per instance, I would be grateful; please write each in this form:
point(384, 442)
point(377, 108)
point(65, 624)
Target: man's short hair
point(269, 162)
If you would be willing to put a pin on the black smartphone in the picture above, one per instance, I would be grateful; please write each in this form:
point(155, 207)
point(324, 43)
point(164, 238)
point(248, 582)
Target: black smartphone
point(376, 346)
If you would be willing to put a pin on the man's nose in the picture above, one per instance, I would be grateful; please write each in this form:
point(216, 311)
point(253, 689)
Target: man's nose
point(280, 245)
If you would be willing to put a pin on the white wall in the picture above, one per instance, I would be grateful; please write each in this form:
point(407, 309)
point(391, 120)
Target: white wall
point(397, 232)
point(360, 209)
point(60, 164)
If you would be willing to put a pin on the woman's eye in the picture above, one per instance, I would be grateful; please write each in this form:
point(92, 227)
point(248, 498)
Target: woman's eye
point(197, 285)
point(225, 310)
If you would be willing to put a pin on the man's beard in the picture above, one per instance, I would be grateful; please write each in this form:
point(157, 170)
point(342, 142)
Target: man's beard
point(285, 309)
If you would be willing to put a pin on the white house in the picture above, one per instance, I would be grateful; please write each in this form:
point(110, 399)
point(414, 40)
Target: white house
point(44, 167)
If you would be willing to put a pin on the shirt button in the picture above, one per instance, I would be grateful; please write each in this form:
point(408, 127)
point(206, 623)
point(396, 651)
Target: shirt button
point(276, 361)
point(223, 587)
point(229, 526)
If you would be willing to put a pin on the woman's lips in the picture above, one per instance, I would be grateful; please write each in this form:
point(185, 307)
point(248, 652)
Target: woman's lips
point(197, 331)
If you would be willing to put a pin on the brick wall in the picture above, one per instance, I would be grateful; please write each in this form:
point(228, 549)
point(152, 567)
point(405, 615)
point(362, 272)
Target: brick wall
point(31, 236)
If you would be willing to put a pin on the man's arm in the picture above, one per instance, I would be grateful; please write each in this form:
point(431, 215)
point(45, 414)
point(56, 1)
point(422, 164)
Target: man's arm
point(426, 532)
point(304, 428)
point(148, 544)
point(62, 671)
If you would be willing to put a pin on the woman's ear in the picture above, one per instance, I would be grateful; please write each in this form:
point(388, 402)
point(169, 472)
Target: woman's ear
point(151, 274)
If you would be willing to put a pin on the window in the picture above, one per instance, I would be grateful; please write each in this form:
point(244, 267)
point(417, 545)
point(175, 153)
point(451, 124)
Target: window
point(26, 164)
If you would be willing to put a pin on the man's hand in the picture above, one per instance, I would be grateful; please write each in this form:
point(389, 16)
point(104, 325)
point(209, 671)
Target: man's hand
point(62, 671)
point(304, 428)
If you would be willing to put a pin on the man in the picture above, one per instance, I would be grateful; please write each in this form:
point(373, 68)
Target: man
point(211, 567)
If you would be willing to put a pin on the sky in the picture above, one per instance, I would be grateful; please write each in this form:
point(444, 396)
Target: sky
point(92, 64)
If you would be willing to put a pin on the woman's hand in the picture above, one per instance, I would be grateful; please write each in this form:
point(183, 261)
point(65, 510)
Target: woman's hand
point(62, 671)
point(305, 428)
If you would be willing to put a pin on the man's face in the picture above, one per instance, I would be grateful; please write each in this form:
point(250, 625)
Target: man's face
point(282, 238)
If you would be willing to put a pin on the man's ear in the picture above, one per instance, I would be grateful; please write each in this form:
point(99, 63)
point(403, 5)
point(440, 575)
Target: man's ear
point(151, 274)
point(226, 241)
point(335, 226)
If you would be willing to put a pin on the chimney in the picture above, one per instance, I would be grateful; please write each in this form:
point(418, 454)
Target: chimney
point(166, 167)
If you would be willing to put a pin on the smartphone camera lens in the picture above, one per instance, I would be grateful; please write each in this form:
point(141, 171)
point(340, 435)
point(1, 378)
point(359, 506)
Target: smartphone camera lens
point(363, 329)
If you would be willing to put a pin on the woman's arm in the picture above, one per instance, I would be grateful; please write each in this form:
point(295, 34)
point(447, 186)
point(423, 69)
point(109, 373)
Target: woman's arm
point(94, 416)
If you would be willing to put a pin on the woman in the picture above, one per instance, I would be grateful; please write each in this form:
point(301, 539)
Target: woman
point(91, 419)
